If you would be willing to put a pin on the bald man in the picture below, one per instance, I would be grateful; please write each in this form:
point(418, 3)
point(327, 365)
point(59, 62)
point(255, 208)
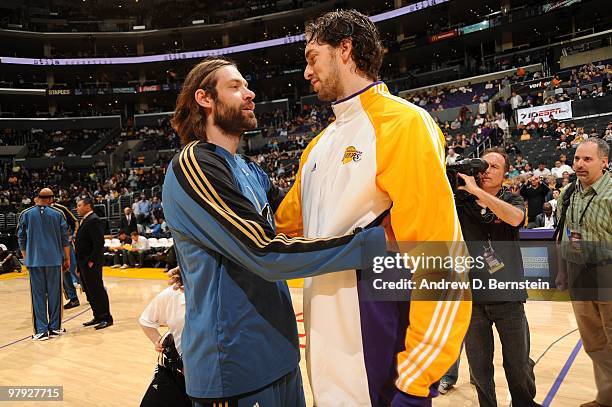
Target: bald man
point(43, 239)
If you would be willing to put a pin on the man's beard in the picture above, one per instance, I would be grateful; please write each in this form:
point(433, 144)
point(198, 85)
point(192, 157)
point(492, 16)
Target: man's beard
point(330, 89)
point(232, 119)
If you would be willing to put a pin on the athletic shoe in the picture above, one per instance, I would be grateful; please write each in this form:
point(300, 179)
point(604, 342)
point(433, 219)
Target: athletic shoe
point(56, 332)
point(43, 336)
point(444, 386)
point(115, 266)
point(125, 266)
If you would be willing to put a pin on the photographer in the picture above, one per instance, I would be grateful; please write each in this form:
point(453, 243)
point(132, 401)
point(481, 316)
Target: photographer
point(490, 218)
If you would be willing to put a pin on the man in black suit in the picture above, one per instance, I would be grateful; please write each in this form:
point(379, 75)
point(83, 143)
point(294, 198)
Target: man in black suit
point(90, 258)
point(128, 222)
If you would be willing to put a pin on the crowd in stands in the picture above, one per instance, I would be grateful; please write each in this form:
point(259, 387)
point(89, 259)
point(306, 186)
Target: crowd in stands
point(286, 134)
point(589, 81)
point(540, 182)
point(469, 129)
point(52, 143)
point(22, 184)
point(160, 137)
point(10, 137)
point(438, 99)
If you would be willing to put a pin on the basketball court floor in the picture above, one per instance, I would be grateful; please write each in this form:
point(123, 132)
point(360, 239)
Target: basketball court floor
point(114, 366)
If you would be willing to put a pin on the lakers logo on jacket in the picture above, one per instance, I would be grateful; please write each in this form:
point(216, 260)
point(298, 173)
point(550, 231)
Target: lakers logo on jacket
point(351, 154)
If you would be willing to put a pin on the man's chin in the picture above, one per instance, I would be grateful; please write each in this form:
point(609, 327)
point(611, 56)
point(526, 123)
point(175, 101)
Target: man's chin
point(251, 124)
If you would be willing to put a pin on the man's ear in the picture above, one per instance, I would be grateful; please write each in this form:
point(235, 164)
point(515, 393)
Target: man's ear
point(203, 98)
point(346, 49)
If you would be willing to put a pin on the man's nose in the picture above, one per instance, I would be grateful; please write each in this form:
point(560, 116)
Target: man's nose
point(307, 72)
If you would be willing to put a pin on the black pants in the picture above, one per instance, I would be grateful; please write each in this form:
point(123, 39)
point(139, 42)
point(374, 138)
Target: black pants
point(120, 257)
point(135, 257)
point(94, 288)
point(166, 389)
point(511, 323)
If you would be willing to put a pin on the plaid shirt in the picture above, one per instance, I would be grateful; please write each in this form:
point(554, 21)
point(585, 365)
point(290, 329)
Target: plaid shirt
point(594, 206)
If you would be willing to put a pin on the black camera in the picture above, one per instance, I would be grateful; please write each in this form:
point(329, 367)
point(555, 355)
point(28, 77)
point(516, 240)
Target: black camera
point(468, 166)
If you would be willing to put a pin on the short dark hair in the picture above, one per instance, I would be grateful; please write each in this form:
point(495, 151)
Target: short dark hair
point(87, 201)
point(121, 232)
point(603, 149)
point(500, 151)
point(336, 26)
point(134, 233)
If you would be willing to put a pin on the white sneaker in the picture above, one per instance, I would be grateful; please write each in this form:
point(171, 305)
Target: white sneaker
point(444, 386)
point(56, 332)
point(125, 266)
point(115, 266)
point(43, 336)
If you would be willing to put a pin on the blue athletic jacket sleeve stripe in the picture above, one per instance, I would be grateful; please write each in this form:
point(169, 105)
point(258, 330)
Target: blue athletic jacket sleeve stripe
point(220, 218)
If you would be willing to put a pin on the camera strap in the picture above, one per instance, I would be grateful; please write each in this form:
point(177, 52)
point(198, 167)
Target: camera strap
point(564, 205)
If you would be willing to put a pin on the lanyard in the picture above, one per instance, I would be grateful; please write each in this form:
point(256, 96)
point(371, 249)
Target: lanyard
point(585, 208)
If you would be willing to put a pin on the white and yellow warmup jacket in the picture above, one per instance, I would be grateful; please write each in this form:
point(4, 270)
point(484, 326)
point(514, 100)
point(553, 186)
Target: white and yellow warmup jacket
point(381, 151)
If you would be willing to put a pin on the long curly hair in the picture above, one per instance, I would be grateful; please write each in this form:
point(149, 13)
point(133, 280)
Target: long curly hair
point(189, 120)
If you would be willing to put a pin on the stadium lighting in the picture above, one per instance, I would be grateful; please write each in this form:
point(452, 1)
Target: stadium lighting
point(412, 8)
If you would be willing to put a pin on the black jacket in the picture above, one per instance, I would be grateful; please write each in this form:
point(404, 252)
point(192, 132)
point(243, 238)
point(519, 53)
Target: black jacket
point(128, 227)
point(89, 243)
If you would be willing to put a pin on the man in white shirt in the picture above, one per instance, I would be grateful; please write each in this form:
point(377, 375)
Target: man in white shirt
point(166, 310)
point(451, 157)
point(501, 122)
point(560, 169)
point(479, 121)
point(482, 107)
point(140, 247)
point(515, 101)
point(546, 219)
point(553, 201)
point(135, 209)
point(541, 170)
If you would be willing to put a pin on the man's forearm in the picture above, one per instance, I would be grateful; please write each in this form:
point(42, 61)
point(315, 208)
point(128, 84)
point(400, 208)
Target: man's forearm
point(503, 210)
point(67, 253)
point(152, 334)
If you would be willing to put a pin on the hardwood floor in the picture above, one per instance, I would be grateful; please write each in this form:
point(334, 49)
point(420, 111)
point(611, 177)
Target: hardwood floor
point(114, 366)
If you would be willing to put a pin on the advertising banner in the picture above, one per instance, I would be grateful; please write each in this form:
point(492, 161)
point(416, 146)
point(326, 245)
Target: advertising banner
point(559, 111)
point(444, 35)
point(59, 92)
point(149, 88)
